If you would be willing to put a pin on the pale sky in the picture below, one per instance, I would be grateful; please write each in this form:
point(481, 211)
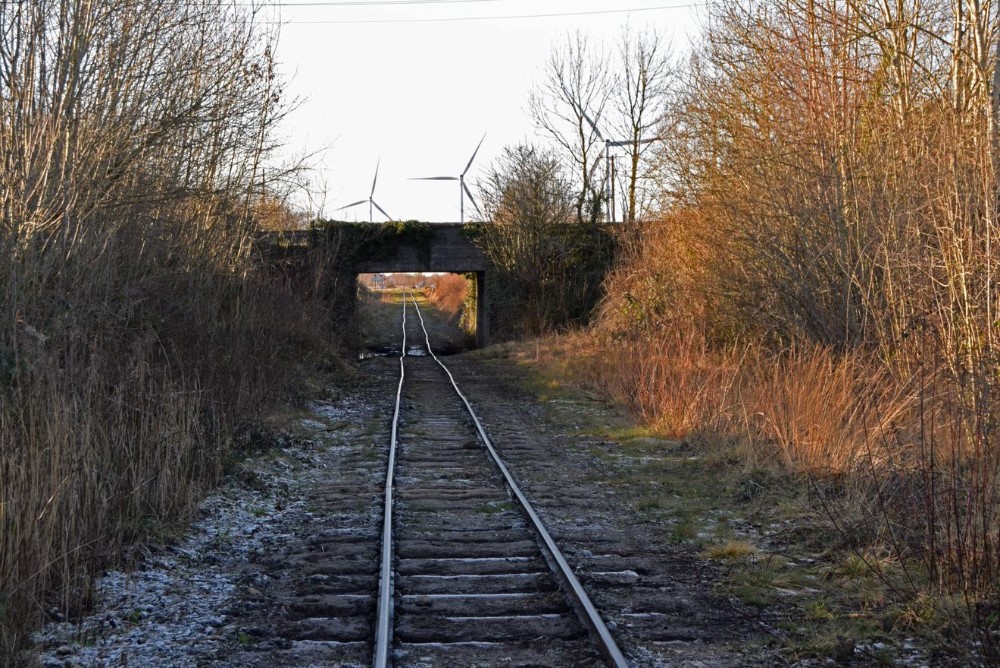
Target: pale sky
point(388, 79)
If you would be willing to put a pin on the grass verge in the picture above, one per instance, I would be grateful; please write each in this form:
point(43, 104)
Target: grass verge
point(782, 534)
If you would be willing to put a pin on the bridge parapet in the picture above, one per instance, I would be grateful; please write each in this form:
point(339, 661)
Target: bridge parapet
point(393, 248)
point(446, 248)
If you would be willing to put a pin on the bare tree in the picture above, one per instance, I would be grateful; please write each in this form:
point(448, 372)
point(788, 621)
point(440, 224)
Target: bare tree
point(575, 84)
point(587, 94)
point(641, 94)
point(134, 137)
point(548, 269)
point(524, 196)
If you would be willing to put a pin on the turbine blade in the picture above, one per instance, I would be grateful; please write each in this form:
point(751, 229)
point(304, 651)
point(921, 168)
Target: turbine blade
point(348, 206)
point(474, 154)
point(472, 199)
point(629, 142)
point(433, 178)
point(375, 204)
point(375, 180)
point(592, 124)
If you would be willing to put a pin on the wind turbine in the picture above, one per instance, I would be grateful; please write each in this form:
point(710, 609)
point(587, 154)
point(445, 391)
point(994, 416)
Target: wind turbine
point(371, 199)
point(608, 172)
point(463, 189)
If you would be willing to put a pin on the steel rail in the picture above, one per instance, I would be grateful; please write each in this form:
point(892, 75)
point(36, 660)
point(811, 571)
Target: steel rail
point(383, 624)
point(557, 562)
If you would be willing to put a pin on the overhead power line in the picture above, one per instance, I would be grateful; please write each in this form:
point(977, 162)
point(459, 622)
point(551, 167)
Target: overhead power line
point(625, 10)
point(373, 3)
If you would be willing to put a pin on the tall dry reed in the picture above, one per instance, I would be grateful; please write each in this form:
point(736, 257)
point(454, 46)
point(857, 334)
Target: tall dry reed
point(673, 383)
point(137, 330)
point(825, 413)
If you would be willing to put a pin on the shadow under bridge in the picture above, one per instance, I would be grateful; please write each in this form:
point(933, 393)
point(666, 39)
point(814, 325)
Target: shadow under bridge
point(404, 248)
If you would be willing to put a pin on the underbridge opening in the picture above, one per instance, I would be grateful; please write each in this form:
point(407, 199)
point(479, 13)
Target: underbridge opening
point(454, 313)
point(343, 251)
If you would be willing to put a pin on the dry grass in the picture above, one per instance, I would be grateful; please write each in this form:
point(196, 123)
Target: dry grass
point(138, 331)
point(674, 384)
point(108, 431)
point(449, 295)
point(806, 411)
point(825, 413)
point(893, 466)
point(899, 468)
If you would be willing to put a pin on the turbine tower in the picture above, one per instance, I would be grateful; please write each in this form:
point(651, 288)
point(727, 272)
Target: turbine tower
point(463, 189)
point(372, 204)
point(608, 158)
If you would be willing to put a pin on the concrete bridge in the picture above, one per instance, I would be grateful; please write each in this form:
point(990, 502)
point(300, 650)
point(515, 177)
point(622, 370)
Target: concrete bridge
point(447, 248)
point(400, 248)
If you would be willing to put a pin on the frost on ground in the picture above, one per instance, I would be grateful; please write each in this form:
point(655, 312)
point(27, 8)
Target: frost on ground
point(177, 607)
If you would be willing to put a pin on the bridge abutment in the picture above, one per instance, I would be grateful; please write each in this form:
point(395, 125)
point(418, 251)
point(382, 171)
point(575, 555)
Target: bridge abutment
point(342, 249)
point(482, 313)
point(429, 247)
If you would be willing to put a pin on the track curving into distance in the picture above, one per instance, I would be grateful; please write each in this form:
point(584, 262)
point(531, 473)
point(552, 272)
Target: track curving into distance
point(477, 578)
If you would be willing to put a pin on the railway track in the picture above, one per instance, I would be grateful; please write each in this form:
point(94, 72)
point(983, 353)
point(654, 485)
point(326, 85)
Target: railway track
point(469, 575)
point(468, 580)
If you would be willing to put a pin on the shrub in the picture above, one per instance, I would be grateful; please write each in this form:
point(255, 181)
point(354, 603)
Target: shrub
point(449, 295)
point(138, 330)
